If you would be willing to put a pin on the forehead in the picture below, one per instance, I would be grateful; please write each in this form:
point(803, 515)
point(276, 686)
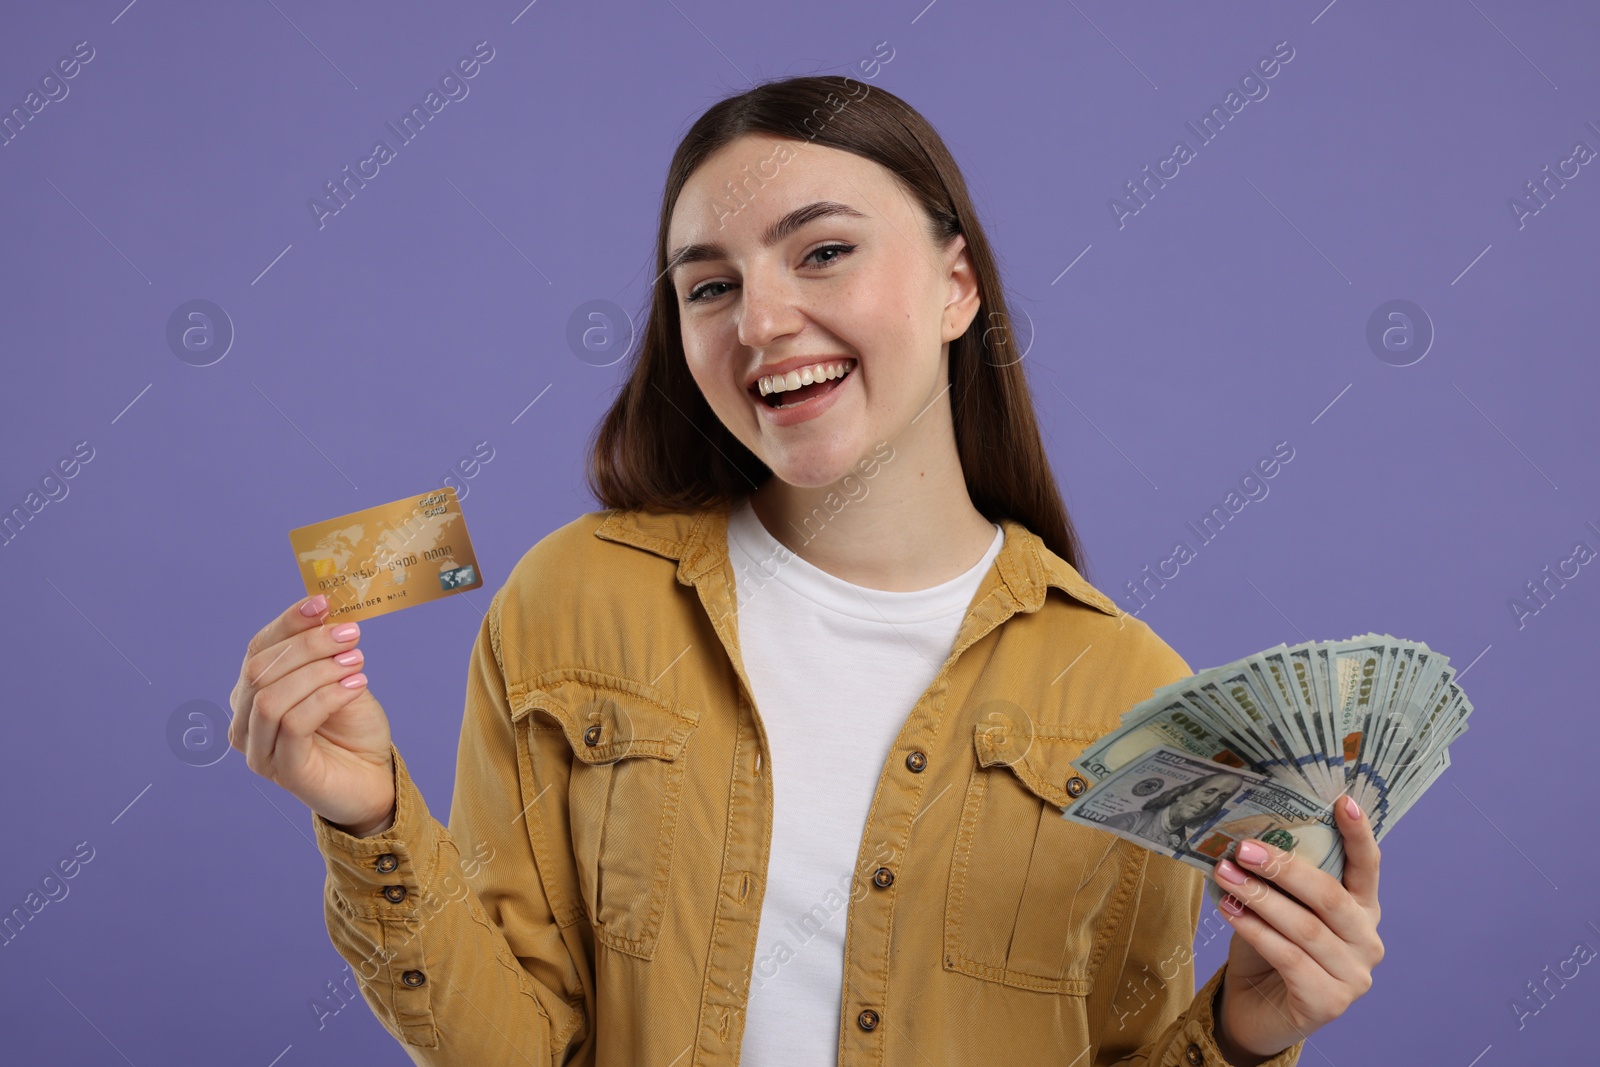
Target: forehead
point(769, 177)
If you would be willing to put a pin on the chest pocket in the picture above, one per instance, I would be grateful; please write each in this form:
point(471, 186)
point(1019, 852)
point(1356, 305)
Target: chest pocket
point(602, 768)
point(1033, 899)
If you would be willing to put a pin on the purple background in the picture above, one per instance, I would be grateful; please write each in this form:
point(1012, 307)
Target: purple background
point(372, 353)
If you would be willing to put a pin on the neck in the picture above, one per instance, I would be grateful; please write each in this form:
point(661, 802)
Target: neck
point(901, 520)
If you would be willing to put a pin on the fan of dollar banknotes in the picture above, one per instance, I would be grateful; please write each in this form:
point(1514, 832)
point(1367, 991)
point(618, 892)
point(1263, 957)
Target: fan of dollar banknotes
point(1263, 746)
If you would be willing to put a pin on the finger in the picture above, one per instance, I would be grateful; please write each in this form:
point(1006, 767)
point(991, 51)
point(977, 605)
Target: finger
point(1304, 976)
point(1317, 890)
point(315, 641)
point(281, 696)
point(273, 663)
point(1361, 853)
point(1293, 921)
point(301, 615)
point(301, 722)
point(262, 659)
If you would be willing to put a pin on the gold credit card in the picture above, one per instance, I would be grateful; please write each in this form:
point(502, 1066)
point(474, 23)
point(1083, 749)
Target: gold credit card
point(388, 557)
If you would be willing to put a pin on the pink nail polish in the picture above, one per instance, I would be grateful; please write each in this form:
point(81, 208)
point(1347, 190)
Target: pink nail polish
point(345, 659)
point(347, 632)
point(1232, 905)
point(1228, 872)
point(357, 679)
point(314, 606)
point(1252, 853)
point(1351, 808)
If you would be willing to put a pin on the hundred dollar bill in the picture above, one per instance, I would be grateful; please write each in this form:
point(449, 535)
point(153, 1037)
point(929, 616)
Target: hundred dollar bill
point(1197, 811)
point(1371, 785)
point(1227, 718)
point(1289, 730)
point(1418, 764)
point(1404, 705)
point(1255, 706)
point(1353, 669)
point(1173, 722)
point(1290, 672)
point(1274, 677)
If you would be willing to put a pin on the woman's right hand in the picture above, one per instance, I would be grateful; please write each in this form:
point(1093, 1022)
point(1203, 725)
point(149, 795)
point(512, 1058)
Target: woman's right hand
point(298, 726)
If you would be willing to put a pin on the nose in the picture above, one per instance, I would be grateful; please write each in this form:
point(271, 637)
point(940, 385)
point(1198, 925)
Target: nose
point(768, 308)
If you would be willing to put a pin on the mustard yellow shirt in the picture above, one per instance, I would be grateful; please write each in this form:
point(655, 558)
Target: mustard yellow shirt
point(595, 896)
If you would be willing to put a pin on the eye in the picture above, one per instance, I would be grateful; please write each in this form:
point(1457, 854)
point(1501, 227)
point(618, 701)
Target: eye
point(699, 292)
point(705, 292)
point(842, 249)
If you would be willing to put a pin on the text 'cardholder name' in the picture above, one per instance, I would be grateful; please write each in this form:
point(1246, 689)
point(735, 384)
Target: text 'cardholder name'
point(388, 557)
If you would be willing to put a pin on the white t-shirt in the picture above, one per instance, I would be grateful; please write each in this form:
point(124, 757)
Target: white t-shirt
point(835, 669)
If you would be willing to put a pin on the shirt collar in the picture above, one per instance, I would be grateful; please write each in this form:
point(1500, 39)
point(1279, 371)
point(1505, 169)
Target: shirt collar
point(698, 540)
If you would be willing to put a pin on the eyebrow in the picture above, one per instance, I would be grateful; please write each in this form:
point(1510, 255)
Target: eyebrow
point(710, 250)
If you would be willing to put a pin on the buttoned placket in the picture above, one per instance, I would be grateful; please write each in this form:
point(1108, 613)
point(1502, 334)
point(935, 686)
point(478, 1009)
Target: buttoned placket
point(903, 792)
point(750, 806)
point(865, 1019)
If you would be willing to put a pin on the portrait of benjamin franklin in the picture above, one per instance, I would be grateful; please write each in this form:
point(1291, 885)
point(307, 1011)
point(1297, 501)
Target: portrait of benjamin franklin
point(1171, 817)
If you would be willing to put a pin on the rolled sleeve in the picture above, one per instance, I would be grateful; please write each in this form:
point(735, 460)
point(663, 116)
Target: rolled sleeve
point(1198, 1042)
point(361, 868)
point(403, 907)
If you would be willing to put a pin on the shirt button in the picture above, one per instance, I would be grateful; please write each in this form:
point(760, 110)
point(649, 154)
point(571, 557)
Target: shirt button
point(386, 863)
point(394, 893)
point(1193, 1056)
point(883, 878)
point(591, 736)
point(1075, 788)
point(916, 761)
point(867, 1020)
point(416, 978)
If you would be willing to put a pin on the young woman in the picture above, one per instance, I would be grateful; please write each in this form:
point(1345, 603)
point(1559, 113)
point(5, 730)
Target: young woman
point(764, 762)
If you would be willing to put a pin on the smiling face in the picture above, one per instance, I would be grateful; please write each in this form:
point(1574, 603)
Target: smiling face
point(851, 276)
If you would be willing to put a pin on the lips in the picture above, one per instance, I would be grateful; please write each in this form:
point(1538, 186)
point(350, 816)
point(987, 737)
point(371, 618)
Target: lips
point(789, 394)
point(793, 365)
point(807, 402)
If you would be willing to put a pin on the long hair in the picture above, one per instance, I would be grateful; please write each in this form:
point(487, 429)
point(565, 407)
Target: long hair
point(660, 447)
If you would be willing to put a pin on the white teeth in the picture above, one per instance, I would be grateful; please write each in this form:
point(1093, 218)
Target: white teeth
point(817, 372)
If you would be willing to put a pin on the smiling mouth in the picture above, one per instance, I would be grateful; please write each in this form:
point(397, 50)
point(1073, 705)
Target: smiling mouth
point(789, 398)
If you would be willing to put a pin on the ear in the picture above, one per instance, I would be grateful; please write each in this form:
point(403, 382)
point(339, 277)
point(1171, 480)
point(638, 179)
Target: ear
point(963, 290)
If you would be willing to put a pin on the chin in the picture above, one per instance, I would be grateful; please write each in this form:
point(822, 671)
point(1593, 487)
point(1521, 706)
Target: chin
point(809, 478)
point(812, 471)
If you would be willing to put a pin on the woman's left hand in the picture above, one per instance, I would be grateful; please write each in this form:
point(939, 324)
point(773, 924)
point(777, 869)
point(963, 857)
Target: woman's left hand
point(1294, 967)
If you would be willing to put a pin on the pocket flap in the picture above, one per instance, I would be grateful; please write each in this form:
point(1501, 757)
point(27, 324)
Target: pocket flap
point(1039, 755)
point(1034, 900)
point(605, 717)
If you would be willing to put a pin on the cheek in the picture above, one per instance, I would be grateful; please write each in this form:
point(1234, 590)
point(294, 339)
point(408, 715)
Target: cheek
point(701, 356)
point(885, 322)
point(708, 365)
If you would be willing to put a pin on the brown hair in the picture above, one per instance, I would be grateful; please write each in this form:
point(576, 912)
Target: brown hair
point(661, 448)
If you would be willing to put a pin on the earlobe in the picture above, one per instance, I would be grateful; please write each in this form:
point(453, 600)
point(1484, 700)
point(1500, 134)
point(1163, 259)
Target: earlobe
point(965, 295)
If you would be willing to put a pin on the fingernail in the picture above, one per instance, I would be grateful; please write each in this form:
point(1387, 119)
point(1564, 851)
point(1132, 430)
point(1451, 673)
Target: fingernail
point(347, 632)
point(345, 659)
point(1232, 905)
point(357, 679)
point(1252, 853)
point(1351, 808)
point(314, 606)
point(1230, 873)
